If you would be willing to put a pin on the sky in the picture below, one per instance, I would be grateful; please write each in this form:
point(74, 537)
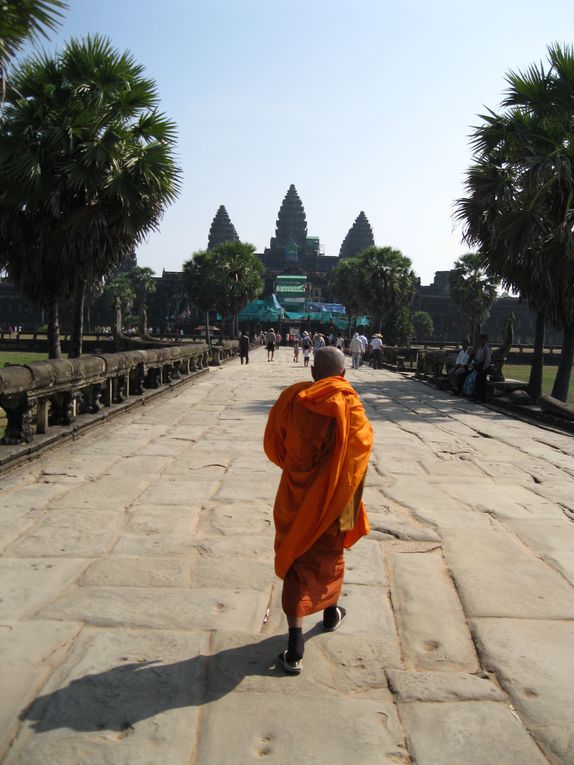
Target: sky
point(363, 105)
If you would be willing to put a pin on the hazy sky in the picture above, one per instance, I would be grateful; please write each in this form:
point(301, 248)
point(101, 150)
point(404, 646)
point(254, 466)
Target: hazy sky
point(363, 105)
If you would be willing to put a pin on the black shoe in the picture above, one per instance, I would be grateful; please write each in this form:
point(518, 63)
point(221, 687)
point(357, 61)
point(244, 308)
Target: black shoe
point(341, 613)
point(291, 667)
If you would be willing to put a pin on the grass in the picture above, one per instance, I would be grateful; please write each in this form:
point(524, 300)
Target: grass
point(522, 372)
point(19, 357)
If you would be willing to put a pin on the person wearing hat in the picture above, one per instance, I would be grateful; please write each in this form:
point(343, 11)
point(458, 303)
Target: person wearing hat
point(377, 349)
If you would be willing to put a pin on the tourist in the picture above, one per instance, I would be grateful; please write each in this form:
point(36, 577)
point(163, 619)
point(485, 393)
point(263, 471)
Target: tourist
point(356, 351)
point(270, 340)
point(461, 369)
point(295, 348)
point(481, 364)
point(469, 384)
point(244, 347)
point(306, 345)
point(278, 340)
point(340, 342)
point(319, 435)
point(377, 349)
point(364, 343)
point(318, 342)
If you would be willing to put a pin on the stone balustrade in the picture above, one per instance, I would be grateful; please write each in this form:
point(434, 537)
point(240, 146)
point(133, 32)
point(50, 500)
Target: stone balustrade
point(45, 393)
point(223, 351)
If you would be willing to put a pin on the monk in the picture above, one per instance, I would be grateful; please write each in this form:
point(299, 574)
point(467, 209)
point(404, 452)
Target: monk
point(319, 435)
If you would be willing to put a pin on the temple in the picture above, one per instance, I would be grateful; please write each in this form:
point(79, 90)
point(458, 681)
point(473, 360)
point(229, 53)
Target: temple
point(359, 237)
point(221, 230)
point(298, 279)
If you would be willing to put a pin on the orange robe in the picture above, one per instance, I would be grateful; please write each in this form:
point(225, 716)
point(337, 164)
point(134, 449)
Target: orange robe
point(319, 434)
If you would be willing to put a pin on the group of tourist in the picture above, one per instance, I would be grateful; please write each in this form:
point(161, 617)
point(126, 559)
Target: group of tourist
point(469, 374)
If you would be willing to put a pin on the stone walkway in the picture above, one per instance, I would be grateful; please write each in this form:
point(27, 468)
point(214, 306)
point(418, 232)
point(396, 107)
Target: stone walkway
point(140, 614)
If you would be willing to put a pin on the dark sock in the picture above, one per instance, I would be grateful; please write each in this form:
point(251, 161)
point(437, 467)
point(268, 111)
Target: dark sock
point(295, 646)
point(330, 617)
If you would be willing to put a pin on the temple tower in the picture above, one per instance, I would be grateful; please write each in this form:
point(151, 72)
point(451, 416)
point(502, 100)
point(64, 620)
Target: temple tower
point(222, 229)
point(359, 237)
point(291, 226)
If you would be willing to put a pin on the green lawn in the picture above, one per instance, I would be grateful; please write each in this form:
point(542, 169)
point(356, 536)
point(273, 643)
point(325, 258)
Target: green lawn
point(18, 357)
point(522, 372)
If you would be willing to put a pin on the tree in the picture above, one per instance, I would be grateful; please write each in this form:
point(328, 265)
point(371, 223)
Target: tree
point(119, 293)
point(388, 282)
point(86, 169)
point(473, 291)
point(143, 282)
point(201, 283)
point(238, 272)
point(348, 287)
point(423, 326)
point(23, 20)
point(399, 328)
point(518, 209)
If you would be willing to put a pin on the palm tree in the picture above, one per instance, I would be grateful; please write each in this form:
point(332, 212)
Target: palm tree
point(388, 281)
point(519, 207)
point(86, 162)
point(143, 282)
point(201, 283)
point(119, 293)
point(22, 20)
point(348, 288)
point(473, 291)
point(238, 272)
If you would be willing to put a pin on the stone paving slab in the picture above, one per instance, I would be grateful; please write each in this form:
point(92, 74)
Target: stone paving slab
point(442, 686)
point(487, 561)
point(122, 697)
point(469, 732)
point(431, 622)
point(249, 727)
point(534, 662)
point(184, 609)
point(139, 605)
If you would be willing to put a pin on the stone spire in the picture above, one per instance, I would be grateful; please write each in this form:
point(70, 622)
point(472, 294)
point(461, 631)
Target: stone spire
point(359, 237)
point(291, 223)
point(222, 229)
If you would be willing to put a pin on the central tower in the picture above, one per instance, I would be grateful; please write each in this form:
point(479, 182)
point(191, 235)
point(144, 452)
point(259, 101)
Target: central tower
point(291, 227)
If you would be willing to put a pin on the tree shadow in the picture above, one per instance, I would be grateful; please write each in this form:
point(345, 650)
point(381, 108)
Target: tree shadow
point(128, 693)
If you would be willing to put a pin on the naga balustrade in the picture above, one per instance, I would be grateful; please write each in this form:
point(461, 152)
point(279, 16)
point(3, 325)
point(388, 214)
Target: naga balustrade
point(44, 393)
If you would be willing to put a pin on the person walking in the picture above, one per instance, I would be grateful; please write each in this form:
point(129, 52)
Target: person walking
point(306, 345)
point(377, 349)
point(270, 341)
point(320, 437)
point(295, 348)
point(356, 350)
point(244, 347)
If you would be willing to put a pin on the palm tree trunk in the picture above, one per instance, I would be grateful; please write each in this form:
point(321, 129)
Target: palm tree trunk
point(537, 368)
point(562, 381)
point(75, 349)
point(207, 337)
point(53, 321)
point(350, 326)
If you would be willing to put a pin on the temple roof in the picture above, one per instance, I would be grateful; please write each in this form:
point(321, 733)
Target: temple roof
point(291, 223)
point(222, 229)
point(359, 237)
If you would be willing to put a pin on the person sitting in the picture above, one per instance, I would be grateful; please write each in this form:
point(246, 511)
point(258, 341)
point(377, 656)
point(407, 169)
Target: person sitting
point(461, 369)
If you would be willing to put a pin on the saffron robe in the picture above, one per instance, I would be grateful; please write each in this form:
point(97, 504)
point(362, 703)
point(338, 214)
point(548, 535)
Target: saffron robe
point(319, 434)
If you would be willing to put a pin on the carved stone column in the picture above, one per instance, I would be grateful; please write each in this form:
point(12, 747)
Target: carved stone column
point(20, 420)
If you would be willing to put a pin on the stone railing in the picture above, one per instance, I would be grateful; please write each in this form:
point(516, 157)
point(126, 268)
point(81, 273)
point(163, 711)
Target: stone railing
point(222, 351)
point(44, 393)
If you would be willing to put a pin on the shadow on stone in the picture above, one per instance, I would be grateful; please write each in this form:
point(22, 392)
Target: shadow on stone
point(126, 694)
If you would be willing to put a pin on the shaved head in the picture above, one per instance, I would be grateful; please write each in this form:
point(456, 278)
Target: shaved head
point(328, 362)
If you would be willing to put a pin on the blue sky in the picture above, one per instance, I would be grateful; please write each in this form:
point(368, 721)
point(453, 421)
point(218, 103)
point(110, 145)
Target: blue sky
point(363, 105)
